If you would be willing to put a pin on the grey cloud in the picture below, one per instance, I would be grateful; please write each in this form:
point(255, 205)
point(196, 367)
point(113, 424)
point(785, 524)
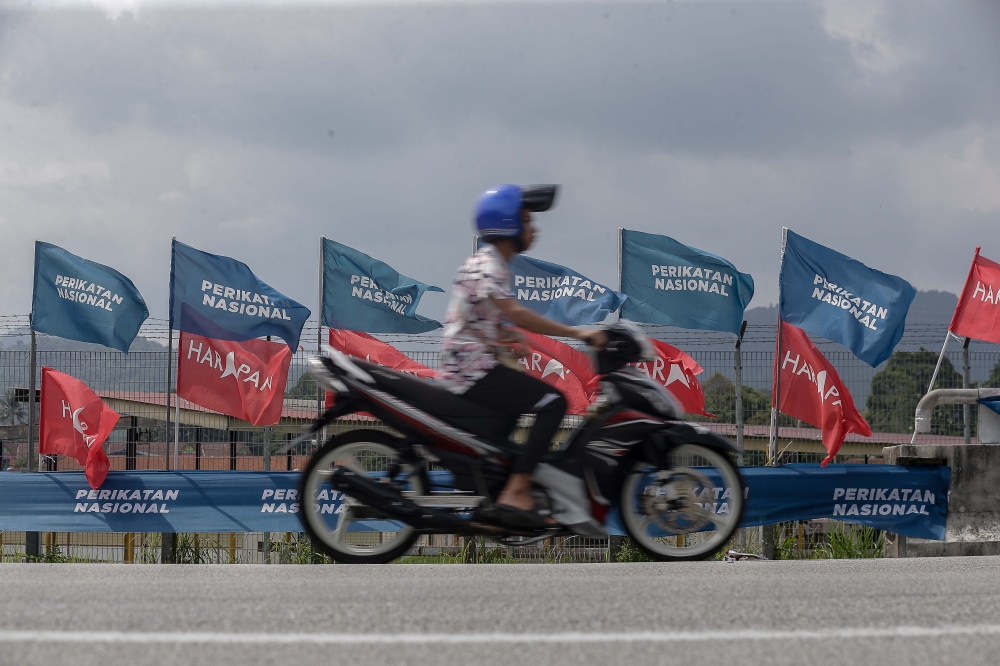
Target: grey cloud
point(682, 77)
point(685, 119)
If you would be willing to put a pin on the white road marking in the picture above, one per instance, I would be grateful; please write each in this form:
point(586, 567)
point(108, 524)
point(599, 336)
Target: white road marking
point(220, 638)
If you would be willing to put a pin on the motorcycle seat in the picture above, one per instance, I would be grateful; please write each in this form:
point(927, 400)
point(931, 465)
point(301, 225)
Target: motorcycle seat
point(434, 398)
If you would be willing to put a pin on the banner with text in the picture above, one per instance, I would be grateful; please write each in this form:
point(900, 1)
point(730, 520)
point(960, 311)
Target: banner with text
point(906, 500)
point(671, 283)
point(831, 295)
point(82, 300)
point(245, 380)
point(560, 293)
point(977, 314)
point(220, 297)
point(364, 294)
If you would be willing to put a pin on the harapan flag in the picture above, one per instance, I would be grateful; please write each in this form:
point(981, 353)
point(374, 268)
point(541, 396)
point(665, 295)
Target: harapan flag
point(678, 373)
point(75, 422)
point(561, 367)
point(811, 391)
point(977, 314)
point(245, 380)
point(367, 348)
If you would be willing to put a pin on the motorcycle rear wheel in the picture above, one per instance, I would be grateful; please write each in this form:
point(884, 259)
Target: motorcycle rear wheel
point(680, 513)
point(366, 452)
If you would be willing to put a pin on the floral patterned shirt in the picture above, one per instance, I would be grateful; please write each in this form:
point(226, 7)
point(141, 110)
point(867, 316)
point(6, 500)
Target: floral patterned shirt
point(465, 356)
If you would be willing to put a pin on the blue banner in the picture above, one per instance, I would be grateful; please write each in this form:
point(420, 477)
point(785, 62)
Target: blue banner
point(671, 283)
point(364, 294)
point(221, 298)
point(560, 293)
point(905, 500)
point(85, 301)
point(833, 296)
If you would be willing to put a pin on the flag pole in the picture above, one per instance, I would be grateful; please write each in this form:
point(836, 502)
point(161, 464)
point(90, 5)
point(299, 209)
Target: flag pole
point(177, 422)
point(772, 442)
point(319, 323)
point(937, 369)
point(32, 369)
point(621, 230)
point(738, 376)
point(170, 346)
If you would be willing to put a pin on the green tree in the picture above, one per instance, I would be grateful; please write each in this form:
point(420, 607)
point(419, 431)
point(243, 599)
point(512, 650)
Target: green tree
point(720, 399)
point(994, 379)
point(304, 388)
point(898, 387)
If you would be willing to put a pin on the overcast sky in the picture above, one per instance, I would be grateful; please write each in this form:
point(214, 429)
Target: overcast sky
point(873, 128)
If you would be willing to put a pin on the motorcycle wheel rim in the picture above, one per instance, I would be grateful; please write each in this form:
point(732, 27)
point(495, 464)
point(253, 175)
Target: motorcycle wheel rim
point(364, 458)
point(692, 544)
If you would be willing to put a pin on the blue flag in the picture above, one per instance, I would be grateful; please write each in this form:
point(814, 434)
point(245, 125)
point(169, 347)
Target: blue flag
point(833, 296)
point(560, 293)
point(367, 295)
point(671, 283)
point(221, 298)
point(81, 300)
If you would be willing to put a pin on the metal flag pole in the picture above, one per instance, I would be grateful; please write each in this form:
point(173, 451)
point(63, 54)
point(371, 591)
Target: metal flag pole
point(738, 377)
point(32, 540)
point(319, 323)
point(937, 369)
point(177, 422)
point(170, 346)
point(32, 369)
point(621, 230)
point(772, 442)
point(966, 409)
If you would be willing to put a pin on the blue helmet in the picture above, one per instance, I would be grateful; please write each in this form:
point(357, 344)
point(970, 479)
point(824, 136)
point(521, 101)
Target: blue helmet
point(498, 209)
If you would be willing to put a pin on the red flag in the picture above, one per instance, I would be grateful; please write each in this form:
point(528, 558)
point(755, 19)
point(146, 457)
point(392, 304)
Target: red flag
point(242, 379)
point(678, 373)
point(560, 366)
point(373, 350)
point(75, 422)
point(811, 391)
point(977, 314)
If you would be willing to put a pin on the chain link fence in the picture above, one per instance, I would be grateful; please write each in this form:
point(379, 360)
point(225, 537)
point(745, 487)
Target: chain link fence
point(135, 386)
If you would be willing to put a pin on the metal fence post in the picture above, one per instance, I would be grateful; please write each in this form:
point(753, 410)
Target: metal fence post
point(32, 540)
point(232, 448)
point(168, 548)
point(266, 536)
point(131, 439)
point(966, 409)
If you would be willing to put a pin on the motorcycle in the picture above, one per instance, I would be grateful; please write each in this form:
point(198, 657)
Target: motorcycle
point(632, 461)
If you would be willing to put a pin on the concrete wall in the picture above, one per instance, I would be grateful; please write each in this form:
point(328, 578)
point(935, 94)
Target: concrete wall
point(973, 500)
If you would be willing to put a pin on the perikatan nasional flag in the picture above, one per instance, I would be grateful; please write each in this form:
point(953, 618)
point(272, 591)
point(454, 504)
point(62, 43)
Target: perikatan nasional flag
point(85, 301)
point(670, 283)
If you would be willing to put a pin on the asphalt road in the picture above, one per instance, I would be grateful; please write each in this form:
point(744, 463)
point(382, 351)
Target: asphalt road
point(885, 612)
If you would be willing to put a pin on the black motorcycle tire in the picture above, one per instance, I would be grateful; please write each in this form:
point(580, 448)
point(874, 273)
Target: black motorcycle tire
point(319, 539)
point(727, 468)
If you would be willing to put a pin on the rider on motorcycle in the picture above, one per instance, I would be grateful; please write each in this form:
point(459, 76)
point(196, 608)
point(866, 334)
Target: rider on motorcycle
point(476, 339)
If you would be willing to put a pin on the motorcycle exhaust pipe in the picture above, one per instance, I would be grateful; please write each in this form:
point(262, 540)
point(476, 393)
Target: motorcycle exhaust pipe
point(383, 498)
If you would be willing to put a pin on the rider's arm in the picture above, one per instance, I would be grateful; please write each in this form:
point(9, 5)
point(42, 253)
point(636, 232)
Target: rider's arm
point(536, 323)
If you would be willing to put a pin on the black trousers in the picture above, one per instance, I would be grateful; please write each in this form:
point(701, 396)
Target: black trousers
point(511, 392)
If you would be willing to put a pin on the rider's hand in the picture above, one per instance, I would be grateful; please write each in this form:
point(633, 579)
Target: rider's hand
point(595, 338)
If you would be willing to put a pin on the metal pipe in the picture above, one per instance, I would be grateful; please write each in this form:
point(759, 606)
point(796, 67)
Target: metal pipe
point(922, 418)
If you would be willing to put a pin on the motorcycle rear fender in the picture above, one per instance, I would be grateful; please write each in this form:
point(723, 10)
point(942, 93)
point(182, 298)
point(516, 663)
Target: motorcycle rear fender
point(657, 447)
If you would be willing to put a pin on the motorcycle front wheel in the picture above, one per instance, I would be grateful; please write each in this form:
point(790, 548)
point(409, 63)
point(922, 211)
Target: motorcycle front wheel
point(686, 511)
point(346, 535)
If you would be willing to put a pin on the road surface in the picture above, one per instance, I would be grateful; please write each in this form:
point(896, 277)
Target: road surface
point(885, 612)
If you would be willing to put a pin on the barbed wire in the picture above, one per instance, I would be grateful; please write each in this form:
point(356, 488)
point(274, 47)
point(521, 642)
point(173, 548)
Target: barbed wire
point(156, 329)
